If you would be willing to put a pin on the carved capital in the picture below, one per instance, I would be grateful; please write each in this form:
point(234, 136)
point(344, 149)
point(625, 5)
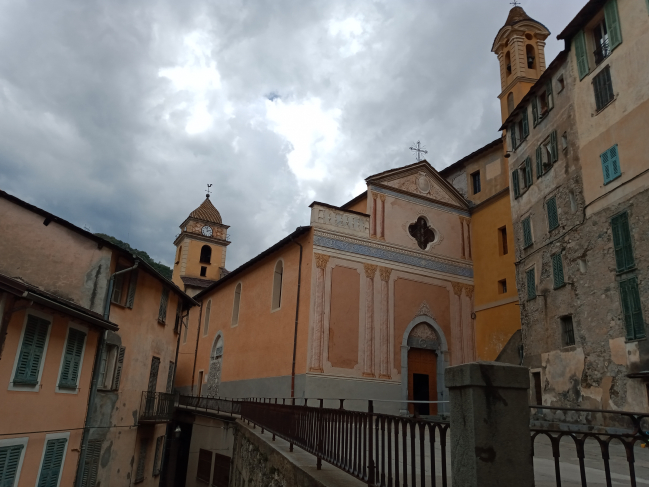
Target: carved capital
point(321, 261)
point(370, 270)
point(457, 288)
point(382, 196)
point(468, 290)
point(465, 220)
point(385, 273)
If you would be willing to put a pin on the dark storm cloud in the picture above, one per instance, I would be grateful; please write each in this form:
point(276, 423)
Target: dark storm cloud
point(115, 115)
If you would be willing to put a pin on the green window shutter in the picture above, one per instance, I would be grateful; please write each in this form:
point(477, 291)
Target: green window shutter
point(611, 164)
point(581, 54)
point(52, 463)
point(527, 232)
point(141, 462)
point(91, 467)
point(612, 24)
point(118, 368)
point(131, 289)
point(153, 374)
point(548, 91)
point(9, 460)
point(535, 111)
point(31, 350)
point(170, 379)
point(554, 148)
point(513, 135)
point(553, 214)
point(164, 299)
point(539, 162)
point(526, 124)
point(157, 457)
point(531, 284)
point(557, 271)
point(517, 188)
point(529, 176)
point(624, 259)
point(632, 309)
point(72, 358)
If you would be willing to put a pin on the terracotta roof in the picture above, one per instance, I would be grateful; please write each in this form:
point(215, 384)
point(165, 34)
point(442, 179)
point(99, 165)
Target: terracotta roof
point(197, 282)
point(207, 212)
point(516, 15)
point(581, 19)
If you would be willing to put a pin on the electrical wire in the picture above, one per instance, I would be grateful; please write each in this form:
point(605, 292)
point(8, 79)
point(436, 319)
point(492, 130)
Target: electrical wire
point(67, 429)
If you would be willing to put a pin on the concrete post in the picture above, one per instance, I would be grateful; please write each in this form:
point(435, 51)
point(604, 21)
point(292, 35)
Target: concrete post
point(490, 425)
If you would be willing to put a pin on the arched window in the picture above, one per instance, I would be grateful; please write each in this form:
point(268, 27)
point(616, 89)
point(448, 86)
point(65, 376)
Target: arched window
point(237, 302)
point(530, 57)
point(208, 309)
point(206, 254)
point(180, 252)
point(277, 285)
point(508, 63)
point(510, 102)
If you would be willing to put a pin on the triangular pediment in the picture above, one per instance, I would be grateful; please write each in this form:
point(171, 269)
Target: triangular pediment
point(420, 179)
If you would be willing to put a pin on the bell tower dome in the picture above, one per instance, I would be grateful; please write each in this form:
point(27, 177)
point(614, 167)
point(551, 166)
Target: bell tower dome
point(520, 47)
point(200, 249)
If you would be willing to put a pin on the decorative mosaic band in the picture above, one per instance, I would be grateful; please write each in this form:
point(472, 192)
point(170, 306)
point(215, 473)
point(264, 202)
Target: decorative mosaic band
point(420, 201)
point(391, 255)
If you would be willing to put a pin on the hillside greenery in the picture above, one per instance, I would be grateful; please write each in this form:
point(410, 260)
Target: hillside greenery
point(158, 266)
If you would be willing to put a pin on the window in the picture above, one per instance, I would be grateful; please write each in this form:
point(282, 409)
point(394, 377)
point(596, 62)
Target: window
point(531, 58)
point(124, 286)
point(203, 271)
point(515, 141)
point(32, 351)
point(508, 65)
point(600, 35)
point(170, 379)
point(72, 356)
point(516, 184)
point(527, 232)
point(110, 372)
point(557, 271)
point(530, 278)
point(52, 461)
point(538, 390)
point(582, 56)
point(153, 374)
point(547, 154)
point(564, 141)
point(502, 240)
point(524, 125)
point(206, 254)
point(611, 164)
point(179, 316)
point(141, 461)
point(204, 465)
point(542, 103)
point(277, 285)
point(562, 83)
point(157, 459)
point(221, 477)
point(612, 24)
point(91, 466)
point(553, 215)
point(632, 309)
point(11, 454)
point(208, 310)
point(567, 331)
point(235, 307)
point(622, 243)
point(529, 176)
point(502, 286)
point(162, 311)
point(603, 87)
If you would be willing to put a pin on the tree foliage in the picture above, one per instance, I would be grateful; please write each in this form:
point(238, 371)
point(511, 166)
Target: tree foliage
point(158, 266)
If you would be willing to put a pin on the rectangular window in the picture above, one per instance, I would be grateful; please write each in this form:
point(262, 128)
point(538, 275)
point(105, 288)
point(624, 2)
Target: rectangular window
point(502, 286)
point(632, 309)
point(562, 83)
point(622, 242)
point(52, 462)
point(203, 271)
point(538, 391)
point(516, 184)
point(529, 174)
point(581, 54)
point(221, 477)
point(600, 36)
point(557, 271)
point(567, 331)
point(162, 310)
point(204, 465)
point(112, 361)
point(535, 111)
point(141, 461)
point(512, 129)
point(9, 462)
point(603, 87)
point(32, 351)
point(525, 125)
point(475, 180)
point(502, 240)
point(554, 148)
point(72, 355)
point(153, 374)
point(531, 284)
point(527, 232)
point(612, 24)
point(170, 379)
point(553, 214)
point(157, 459)
point(91, 467)
point(539, 162)
point(124, 286)
point(611, 164)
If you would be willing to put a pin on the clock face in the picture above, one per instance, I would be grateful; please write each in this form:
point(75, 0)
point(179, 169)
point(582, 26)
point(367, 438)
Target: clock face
point(207, 231)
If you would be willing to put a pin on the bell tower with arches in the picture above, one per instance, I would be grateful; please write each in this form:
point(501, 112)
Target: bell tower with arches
point(520, 47)
point(200, 249)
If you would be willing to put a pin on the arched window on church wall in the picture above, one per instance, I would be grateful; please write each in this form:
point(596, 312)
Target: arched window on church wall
point(208, 310)
point(510, 103)
point(235, 307)
point(277, 285)
point(206, 254)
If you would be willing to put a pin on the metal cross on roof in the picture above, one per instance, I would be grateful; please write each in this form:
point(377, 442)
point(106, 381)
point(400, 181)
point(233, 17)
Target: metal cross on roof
point(515, 3)
point(208, 190)
point(419, 150)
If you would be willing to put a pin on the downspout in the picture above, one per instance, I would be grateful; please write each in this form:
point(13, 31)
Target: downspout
point(95, 377)
point(198, 334)
point(297, 314)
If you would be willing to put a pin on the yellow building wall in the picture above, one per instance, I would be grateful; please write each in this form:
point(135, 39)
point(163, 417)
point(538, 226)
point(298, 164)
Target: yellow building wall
point(188, 255)
point(360, 205)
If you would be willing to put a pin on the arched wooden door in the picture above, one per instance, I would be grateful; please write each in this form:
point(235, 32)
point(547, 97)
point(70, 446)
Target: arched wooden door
point(422, 380)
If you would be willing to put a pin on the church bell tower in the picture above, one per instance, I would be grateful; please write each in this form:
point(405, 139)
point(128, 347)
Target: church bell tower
point(200, 249)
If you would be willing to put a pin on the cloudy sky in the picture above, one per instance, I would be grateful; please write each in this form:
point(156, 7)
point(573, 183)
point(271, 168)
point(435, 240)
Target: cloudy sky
point(116, 114)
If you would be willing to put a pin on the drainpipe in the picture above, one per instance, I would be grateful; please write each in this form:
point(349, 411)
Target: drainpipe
point(95, 377)
point(198, 334)
point(297, 314)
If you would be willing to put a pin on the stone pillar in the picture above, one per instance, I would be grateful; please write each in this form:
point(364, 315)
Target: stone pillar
point(458, 334)
point(490, 424)
point(540, 55)
point(381, 232)
point(321, 261)
point(469, 323)
point(368, 362)
point(384, 330)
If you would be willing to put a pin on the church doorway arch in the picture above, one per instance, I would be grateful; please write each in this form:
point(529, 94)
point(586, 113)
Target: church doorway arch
point(424, 357)
point(216, 362)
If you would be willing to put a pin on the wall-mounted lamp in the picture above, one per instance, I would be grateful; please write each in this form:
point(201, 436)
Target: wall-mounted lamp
point(508, 154)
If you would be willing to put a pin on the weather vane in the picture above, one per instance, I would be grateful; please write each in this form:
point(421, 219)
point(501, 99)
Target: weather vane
point(515, 3)
point(208, 190)
point(419, 150)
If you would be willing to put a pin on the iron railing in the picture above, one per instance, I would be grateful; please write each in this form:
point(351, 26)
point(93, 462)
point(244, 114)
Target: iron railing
point(156, 407)
point(216, 404)
point(602, 52)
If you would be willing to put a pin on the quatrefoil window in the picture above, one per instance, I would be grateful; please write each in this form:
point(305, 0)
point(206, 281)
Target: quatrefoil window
point(421, 232)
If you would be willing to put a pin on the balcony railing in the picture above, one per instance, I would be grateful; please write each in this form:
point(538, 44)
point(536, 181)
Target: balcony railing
point(602, 52)
point(156, 407)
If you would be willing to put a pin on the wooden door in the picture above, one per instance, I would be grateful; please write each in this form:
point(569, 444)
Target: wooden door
point(422, 363)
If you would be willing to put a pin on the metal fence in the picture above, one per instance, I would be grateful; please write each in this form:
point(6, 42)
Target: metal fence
point(219, 405)
point(156, 407)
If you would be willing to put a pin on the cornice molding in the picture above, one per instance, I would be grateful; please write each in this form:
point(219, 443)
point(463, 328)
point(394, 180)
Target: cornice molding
point(421, 200)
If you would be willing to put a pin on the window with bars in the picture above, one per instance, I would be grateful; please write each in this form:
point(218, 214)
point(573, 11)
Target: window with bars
point(603, 87)
point(475, 182)
point(141, 461)
point(153, 374)
point(170, 378)
point(622, 242)
point(9, 461)
point(557, 271)
point(530, 277)
point(553, 214)
point(162, 311)
point(52, 462)
point(204, 468)
point(527, 232)
point(32, 350)
point(157, 459)
point(221, 474)
point(72, 359)
point(632, 309)
point(567, 331)
point(611, 164)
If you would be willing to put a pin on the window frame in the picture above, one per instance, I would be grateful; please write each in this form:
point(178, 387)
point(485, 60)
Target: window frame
point(20, 441)
point(236, 304)
point(564, 333)
point(273, 306)
point(84, 329)
point(600, 88)
point(54, 436)
point(558, 257)
point(206, 318)
point(527, 244)
point(475, 176)
point(30, 387)
point(629, 266)
point(553, 200)
point(613, 176)
point(529, 296)
point(141, 460)
point(634, 336)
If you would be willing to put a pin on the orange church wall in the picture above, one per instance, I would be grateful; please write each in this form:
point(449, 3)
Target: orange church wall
point(360, 205)
point(408, 297)
point(344, 317)
point(190, 258)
